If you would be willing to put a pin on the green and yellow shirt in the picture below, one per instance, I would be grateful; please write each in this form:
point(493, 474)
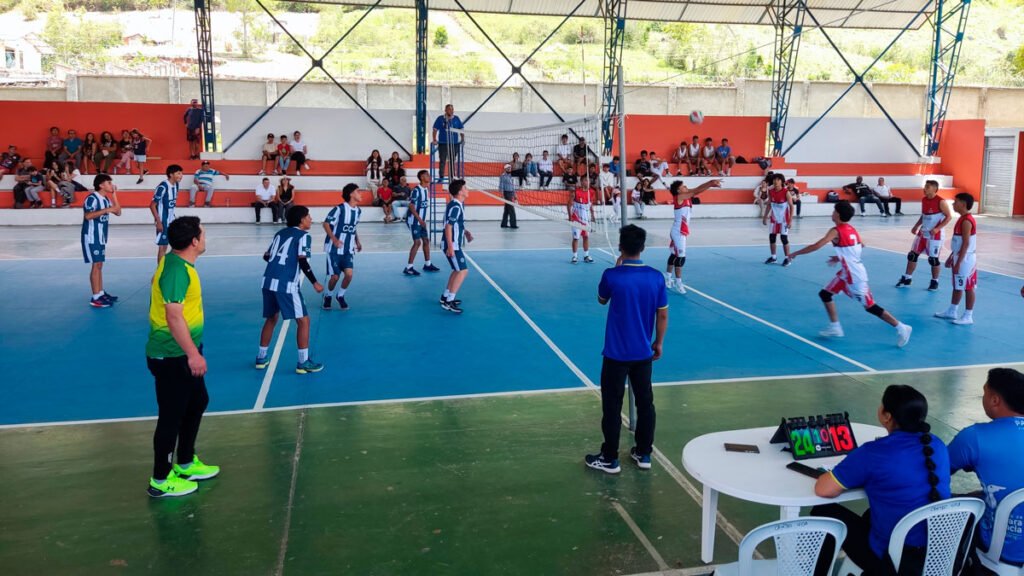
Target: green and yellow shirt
point(175, 282)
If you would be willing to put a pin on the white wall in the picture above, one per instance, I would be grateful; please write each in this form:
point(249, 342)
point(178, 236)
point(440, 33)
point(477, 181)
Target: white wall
point(852, 140)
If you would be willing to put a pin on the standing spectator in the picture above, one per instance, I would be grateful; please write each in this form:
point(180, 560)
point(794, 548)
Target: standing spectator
point(635, 331)
point(864, 193)
point(386, 200)
point(761, 195)
point(394, 170)
point(106, 153)
point(563, 153)
point(72, 148)
point(693, 156)
point(284, 155)
point(54, 146)
point(89, 149)
point(140, 147)
point(581, 156)
point(374, 174)
point(569, 178)
point(884, 193)
point(448, 142)
point(9, 161)
point(608, 186)
point(300, 153)
point(546, 169)
point(203, 182)
point(724, 160)
point(530, 167)
point(268, 154)
point(285, 196)
point(193, 119)
point(266, 197)
point(642, 166)
point(97, 209)
point(508, 192)
point(518, 170)
point(794, 193)
point(124, 147)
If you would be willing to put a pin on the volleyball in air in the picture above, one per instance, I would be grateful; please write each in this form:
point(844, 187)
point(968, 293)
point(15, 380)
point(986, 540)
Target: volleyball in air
point(697, 117)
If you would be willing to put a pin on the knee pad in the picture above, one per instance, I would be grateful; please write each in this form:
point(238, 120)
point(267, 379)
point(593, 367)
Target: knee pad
point(680, 261)
point(785, 240)
point(825, 296)
point(875, 310)
point(933, 261)
point(772, 237)
point(912, 256)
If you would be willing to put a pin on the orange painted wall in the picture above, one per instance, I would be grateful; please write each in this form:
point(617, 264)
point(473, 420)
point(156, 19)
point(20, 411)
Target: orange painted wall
point(1018, 193)
point(963, 154)
point(663, 133)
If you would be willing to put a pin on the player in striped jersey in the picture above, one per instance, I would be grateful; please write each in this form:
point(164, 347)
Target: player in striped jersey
point(935, 214)
point(287, 261)
point(780, 211)
point(682, 204)
point(581, 214)
point(97, 210)
point(341, 243)
point(416, 220)
point(165, 197)
point(852, 277)
point(964, 262)
point(455, 236)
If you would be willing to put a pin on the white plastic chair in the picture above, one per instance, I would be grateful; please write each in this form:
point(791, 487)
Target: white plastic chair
point(797, 547)
point(947, 522)
point(992, 559)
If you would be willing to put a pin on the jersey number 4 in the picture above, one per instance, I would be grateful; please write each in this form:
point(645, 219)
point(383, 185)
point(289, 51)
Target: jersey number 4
point(280, 252)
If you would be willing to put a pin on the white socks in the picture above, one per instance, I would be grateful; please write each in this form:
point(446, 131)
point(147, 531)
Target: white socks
point(264, 350)
point(303, 355)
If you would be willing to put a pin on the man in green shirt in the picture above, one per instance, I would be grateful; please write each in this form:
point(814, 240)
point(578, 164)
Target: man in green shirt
point(174, 354)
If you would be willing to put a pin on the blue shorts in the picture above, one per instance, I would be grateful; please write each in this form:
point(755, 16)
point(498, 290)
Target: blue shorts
point(161, 237)
point(458, 261)
point(93, 252)
point(290, 305)
point(418, 232)
point(338, 262)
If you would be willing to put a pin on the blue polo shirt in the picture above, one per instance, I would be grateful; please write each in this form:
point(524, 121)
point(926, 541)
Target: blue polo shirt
point(892, 472)
point(443, 129)
point(635, 293)
point(993, 451)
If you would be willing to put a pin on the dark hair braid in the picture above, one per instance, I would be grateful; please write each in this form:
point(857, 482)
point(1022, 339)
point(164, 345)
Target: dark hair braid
point(909, 408)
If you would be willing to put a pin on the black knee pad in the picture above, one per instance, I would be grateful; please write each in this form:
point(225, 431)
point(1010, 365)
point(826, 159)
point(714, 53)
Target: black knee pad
point(933, 261)
point(825, 296)
point(772, 237)
point(672, 260)
point(912, 256)
point(875, 310)
point(680, 261)
point(785, 240)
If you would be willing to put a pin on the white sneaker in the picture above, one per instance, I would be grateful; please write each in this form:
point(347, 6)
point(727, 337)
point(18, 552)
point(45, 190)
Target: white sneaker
point(964, 320)
point(680, 288)
point(297, 173)
point(946, 315)
point(574, 260)
point(832, 332)
point(903, 335)
point(668, 280)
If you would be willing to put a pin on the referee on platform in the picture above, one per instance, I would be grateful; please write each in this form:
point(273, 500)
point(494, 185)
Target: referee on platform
point(447, 141)
point(638, 310)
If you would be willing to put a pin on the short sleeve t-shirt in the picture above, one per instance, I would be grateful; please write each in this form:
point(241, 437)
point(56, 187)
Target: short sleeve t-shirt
point(175, 282)
point(892, 472)
point(635, 293)
point(444, 129)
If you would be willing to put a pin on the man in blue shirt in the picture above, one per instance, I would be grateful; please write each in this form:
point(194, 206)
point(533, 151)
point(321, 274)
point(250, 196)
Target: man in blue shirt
point(638, 309)
point(447, 141)
point(194, 116)
point(993, 450)
point(724, 159)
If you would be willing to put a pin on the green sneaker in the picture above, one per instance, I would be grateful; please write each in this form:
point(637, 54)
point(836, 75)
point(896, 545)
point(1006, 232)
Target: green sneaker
point(171, 487)
point(262, 362)
point(196, 470)
point(308, 367)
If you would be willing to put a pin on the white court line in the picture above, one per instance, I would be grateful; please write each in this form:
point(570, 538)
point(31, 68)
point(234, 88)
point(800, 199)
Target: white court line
point(695, 571)
point(983, 269)
point(662, 565)
point(261, 399)
point(283, 550)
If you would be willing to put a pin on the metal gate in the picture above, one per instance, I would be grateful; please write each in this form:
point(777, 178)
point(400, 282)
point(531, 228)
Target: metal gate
point(997, 197)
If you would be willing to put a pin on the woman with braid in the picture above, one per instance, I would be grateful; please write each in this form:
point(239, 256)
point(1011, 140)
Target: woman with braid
point(900, 472)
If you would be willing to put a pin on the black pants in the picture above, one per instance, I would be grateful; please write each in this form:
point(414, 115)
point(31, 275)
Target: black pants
point(299, 158)
point(613, 387)
point(443, 153)
point(797, 203)
point(181, 400)
point(871, 198)
point(545, 178)
point(858, 548)
point(892, 200)
point(275, 210)
point(508, 217)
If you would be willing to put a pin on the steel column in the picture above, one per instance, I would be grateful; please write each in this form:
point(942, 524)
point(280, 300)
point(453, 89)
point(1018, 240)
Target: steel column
point(945, 60)
point(422, 17)
point(788, 18)
point(614, 12)
point(204, 49)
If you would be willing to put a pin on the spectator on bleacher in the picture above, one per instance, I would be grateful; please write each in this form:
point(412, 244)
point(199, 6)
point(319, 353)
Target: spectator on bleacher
point(447, 142)
point(693, 156)
point(885, 194)
point(124, 150)
point(193, 120)
point(203, 182)
point(615, 165)
point(140, 148)
point(393, 169)
point(642, 166)
point(72, 148)
point(266, 197)
point(67, 183)
point(724, 160)
point(794, 193)
point(864, 193)
point(284, 155)
point(707, 157)
point(285, 196)
point(641, 192)
point(592, 175)
point(268, 154)
point(374, 174)
point(386, 200)
point(400, 195)
point(569, 178)
point(563, 153)
point(52, 181)
point(54, 146)
point(679, 157)
point(659, 170)
point(530, 167)
point(508, 191)
point(300, 153)
point(517, 168)
point(608, 186)
point(546, 169)
point(21, 181)
point(89, 148)
point(106, 153)
point(579, 155)
point(34, 184)
point(10, 161)
point(761, 194)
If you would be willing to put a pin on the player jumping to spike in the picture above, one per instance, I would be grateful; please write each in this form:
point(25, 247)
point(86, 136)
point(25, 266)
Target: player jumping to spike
point(455, 236)
point(341, 244)
point(682, 203)
point(780, 211)
point(964, 262)
point(581, 214)
point(417, 223)
point(852, 278)
point(935, 214)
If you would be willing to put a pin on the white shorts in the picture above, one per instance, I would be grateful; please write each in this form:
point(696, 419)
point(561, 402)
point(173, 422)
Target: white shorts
point(678, 244)
point(967, 279)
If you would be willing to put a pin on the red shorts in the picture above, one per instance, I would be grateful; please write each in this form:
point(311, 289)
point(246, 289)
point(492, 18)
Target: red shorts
point(859, 291)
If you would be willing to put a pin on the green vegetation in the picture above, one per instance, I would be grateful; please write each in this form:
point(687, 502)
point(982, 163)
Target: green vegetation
point(440, 37)
point(77, 41)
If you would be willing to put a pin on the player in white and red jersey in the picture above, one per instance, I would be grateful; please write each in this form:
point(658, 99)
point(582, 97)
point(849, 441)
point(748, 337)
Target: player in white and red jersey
point(963, 261)
point(581, 214)
point(935, 214)
point(780, 213)
point(682, 203)
point(852, 277)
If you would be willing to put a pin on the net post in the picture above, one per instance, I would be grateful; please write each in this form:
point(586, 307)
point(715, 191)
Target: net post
point(624, 193)
point(632, 407)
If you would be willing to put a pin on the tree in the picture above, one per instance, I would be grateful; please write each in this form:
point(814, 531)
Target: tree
point(441, 37)
point(251, 33)
point(1017, 61)
point(77, 41)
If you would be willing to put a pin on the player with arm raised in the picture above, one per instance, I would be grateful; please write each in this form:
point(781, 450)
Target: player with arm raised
point(935, 215)
point(852, 277)
point(682, 203)
point(581, 214)
point(780, 212)
point(341, 244)
point(455, 236)
point(417, 223)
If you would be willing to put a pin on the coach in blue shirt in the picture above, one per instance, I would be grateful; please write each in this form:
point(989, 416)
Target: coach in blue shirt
point(995, 452)
point(447, 141)
point(638, 309)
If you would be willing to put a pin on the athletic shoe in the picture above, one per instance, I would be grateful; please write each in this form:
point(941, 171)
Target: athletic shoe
point(410, 272)
point(884, 215)
point(113, 299)
point(431, 268)
point(642, 462)
point(191, 204)
point(100, 302)
point(574, 260)
point(341, 303)
point(327, 303)
point(903, 282)
point(588, 259)
point(308, 367)
point(260, 173)
point(771, 260)
point(964, 320)
point(139, 181)
point(832, 332)
point(933, 285)
point(196, 470)
point(946, 315)
point(452, 307)
point(598, 462)
point(171, 487)
point(903, 335)
point(786, 262)
point(456, 301)
point(669, 280)
point(297, 173)
point(678, 286)
point(262, 362)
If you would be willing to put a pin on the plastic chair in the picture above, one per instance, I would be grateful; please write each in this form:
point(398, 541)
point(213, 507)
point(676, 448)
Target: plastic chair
point(993, 558)
point(797, 547)
point(948, 521)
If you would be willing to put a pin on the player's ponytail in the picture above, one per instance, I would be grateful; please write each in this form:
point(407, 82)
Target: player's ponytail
point(909, 409)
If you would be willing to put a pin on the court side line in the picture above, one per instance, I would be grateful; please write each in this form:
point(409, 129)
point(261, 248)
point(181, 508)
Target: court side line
point(662, 565)
point(283, 550)
point(695, 571)
point(261, 398)
point(983, 269)
point(697, 496)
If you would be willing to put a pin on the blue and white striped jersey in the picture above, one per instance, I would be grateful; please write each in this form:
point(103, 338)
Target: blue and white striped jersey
point(343, 220)
point(283, 273)
point(418, 202)
point(454, 216)
point(166, 197)
point(205, 177)
point(95, 231)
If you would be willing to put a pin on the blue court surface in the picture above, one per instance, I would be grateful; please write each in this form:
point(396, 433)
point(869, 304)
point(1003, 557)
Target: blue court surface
point(532, 323)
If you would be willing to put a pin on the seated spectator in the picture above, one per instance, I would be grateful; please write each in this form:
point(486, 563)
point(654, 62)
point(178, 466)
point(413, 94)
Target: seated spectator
point(641, 193)
point(10, 161)
point(34, 185)
point(679, 157)
point(563, 153)
point(400, 193)
point(285, 196)
point(992, 450)
point(886, 196)
point(608, 186)
point(67, 185)
point(394, 169)
point(593, 172)
point(761, 194)
point(864, 193)
point(124, 150)
point(89, 148)
point(374, 174)
point(724, 160)
point(203, 182)
point(707, 157)
point(580, 153)
point(300, 153)
point(615, 165)
point(54, 146)
point(284, 155)
point(386, 200)
point(569, 178)
point(642, 167)
point(52, 181)
point(266, 197)
point(546, 169)
point(70, 173)
point(659, 170)
point(72, 148)
point(516, 168)
point(693, 156)
point(268, 154)
point(530, 167)
point(106, 153)
point(900, 472)
point(794, 193)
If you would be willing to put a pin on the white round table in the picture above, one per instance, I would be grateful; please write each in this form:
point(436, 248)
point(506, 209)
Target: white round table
point(761, 478)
